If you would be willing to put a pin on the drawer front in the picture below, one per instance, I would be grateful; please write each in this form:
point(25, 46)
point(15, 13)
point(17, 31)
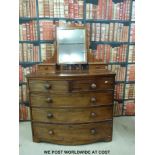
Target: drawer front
point(72, 115)
point(72, 134)
point(48, 86)
point(72, 99)
point(93, 84)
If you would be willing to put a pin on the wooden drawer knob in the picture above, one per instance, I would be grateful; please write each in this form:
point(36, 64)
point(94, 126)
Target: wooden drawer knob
point(49, 115)
point(93, 100)
point(50, 132)
point(105, 81)
point(49, 100)
point(47, 86)
point(93, 131)
point(93, 114)
point(93, 85)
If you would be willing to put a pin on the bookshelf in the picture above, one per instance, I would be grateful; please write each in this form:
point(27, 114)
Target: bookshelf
point(36, 42)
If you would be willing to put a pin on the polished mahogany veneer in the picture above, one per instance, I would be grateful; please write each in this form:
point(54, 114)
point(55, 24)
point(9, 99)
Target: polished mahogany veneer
point(71, 107)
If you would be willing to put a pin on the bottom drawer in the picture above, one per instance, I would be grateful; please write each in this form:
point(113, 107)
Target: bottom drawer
point(72, 134)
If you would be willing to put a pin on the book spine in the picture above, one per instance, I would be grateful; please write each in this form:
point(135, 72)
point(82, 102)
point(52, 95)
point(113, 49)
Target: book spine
point(81, 10)
point(71, 9)
point(41, 8)
point(46, 8)
point(20, 52)
point(66, 8)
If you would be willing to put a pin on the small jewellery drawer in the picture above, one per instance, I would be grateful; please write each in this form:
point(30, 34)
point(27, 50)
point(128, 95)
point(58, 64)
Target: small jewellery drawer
point(72, 99)
point(72, 115)
point(73, 134)
point(92, 84)
point(48, 86)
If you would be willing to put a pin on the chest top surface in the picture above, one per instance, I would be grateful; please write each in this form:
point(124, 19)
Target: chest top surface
point(71, 74)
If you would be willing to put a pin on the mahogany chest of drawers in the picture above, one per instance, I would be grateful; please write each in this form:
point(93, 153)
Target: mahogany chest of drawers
point(71, 108)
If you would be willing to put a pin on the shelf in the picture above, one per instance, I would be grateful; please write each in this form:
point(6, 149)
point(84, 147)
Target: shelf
point(132, 43)
point(30, 41)
point(127, 82)
point(130, 82)
point(116, 63)
point(22, 83)
point(129, 99)
point(46, 41)
point(28, 63)
point(26, 19)
point(37, 41)
point(121, 100)
point(26, 103)
point(130, 63)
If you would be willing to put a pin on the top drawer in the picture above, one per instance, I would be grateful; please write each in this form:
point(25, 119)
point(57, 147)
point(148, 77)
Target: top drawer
point(48, 86)
point(92, 84)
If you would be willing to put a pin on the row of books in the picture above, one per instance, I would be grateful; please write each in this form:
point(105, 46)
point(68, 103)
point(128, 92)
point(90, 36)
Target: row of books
point(47, 52)
point(23, 71)
point(117, 108)
point(131, 72)
point(47, 30)
point(23, 93)
point(119, 89)
point(119, 70)
point(129, 107)
point(131, 57)
point(109, 32)
point(28, 31)
point(27, 8)
point(24, 112)
point(105, 9)
point(133, 11)
point(61, 8)
point(28, 53)
point(109, 10)
point(107, 53)
point(100, 32)
point(130, 91)
point(132, 32)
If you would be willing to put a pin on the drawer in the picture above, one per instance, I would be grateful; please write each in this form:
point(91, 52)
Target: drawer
point(72, 134)
point(72, 115)
point(48, 86)
point(84, 99)
point(92, 84)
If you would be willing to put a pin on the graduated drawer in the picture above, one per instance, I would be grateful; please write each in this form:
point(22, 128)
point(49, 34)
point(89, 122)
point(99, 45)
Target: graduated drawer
point(72, 134)
point(72, 115)
point(48, 86)
point(72, 99)
point(101, 83)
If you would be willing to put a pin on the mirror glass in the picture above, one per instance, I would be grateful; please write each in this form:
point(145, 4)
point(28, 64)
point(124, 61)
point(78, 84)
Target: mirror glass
point(71, 45)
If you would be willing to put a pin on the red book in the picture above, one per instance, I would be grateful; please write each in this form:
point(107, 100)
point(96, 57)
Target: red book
point(124, 10)
point(108, 54)
point(20, 73)
point(110, 9)
point(105, 9)
point(130, 109)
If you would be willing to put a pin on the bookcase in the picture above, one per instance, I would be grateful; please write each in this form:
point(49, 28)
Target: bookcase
point(110, 30)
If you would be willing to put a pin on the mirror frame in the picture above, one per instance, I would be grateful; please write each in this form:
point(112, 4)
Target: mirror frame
point(57, 43)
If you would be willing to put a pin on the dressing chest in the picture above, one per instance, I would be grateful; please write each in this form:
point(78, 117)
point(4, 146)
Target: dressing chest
point(71, 108)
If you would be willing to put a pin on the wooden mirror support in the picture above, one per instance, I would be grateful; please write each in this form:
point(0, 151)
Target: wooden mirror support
point(53, 64)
